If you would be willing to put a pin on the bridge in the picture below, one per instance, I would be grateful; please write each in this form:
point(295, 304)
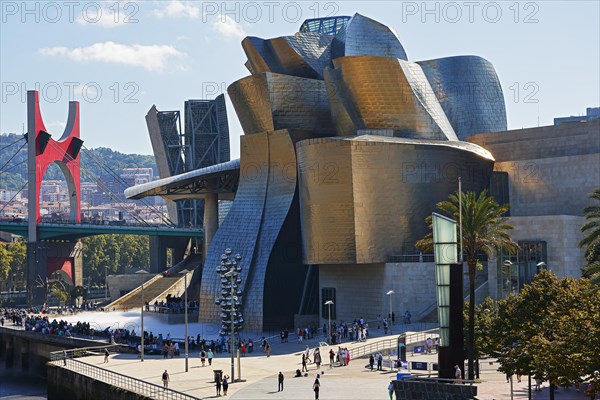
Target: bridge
point(48, 231)
point(55, 245)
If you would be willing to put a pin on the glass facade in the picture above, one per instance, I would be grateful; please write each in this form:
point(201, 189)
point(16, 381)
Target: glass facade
point(324, 26)
point(517, 270)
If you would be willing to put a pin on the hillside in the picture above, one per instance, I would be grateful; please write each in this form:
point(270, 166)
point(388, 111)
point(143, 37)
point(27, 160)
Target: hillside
point(94, 162)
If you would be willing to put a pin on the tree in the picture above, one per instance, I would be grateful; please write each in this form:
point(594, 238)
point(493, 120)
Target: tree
point(550, 329)
point(484, 230)
point(592, 241)
point(5, 262)
point(485, 342)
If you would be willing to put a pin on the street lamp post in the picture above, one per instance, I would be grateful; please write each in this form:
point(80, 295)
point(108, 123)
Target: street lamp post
point(390, 293)
point(185, 272)
point(329, 303)
point(231, 275)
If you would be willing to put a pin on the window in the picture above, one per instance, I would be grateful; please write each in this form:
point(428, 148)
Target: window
point(328, 294)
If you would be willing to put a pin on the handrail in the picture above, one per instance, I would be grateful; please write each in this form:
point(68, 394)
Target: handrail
point(125, 382)
point(385, 344)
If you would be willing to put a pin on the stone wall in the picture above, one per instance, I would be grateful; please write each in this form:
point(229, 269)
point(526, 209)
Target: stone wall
point(64, 384)
point(361, 289)
point(125, 283)
point(414, 389)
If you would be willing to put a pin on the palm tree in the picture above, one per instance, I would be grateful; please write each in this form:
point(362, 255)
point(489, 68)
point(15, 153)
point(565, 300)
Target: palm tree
point(484, 230)
point(592, 241)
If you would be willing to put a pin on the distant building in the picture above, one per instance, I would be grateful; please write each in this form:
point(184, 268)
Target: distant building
point(591, 113)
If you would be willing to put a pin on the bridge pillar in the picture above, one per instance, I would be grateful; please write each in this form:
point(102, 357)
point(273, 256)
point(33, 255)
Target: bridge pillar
point(42, 151)
point(211, 220)
point(158, 251)
point(64, 259)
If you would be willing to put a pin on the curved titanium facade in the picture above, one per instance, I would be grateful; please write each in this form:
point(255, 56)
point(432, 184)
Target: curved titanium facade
point(370, 195)
point(363, 36)
point(268, 102)
point(386, 93)
point(266, 191)
point(469, 92)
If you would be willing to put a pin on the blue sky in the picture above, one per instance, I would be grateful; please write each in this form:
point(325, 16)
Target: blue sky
point(120, 58)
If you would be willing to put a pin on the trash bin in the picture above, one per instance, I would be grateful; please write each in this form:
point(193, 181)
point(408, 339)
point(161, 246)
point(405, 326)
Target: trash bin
point(218, 374)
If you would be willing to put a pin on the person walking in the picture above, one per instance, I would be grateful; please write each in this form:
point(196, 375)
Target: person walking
point(268, 350)
point(280, 378)
point(225, 384)
point(304, 367)
point(218, 384)
point(317, 357)
point(106, 354)
point(331, 358)
point(457, 375)
point(202, 357)
point(209, 354)
point(391, 390)
point(165, 379)
point(379, 362)
point(317, 387)
point(371, 361)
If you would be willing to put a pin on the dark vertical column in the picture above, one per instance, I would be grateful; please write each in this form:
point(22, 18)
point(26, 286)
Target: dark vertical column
point(451, 354)
point(158, 255)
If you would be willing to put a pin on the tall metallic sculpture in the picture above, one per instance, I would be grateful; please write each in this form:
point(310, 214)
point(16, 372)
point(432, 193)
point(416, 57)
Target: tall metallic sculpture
point(347, 146)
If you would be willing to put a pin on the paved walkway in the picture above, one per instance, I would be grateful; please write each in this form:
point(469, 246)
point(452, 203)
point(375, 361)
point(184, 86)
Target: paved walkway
point(260, 374)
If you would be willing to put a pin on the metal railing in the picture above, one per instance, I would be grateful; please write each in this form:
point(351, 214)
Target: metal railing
point(125, 382)
point(388, 344)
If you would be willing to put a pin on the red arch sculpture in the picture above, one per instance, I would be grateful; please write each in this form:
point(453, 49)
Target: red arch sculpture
point(64, 152)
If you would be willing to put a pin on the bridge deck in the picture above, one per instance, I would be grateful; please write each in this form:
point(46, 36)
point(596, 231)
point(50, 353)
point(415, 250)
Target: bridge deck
point(52, 231)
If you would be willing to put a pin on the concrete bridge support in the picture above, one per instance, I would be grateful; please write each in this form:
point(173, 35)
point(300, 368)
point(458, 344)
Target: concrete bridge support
point(45, 258)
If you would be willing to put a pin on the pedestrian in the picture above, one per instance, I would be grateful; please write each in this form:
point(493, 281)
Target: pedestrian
point(437, 344)
point(316, 387)
point(165, 379)
point(225, 384)
point(331, 357)
point(379, 362)
point(250, 346)
point(65, 357)
point(371, 361)
point(210, 356)
point(218, 384)
point(280, 378)
point(304, 367)
point(391, 390)
point(317, 357)
point(307, 352)
point(106, 354)
point(202, 357)
point(268, 350)
point(457, 375)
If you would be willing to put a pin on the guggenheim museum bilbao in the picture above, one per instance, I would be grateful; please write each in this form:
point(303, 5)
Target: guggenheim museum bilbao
point(347, 147)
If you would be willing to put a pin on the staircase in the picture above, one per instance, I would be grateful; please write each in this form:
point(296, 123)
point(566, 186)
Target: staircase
point(152, 289)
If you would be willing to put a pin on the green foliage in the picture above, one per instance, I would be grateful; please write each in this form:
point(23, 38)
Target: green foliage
point(117, 252)
point(5, 261)
point(93, 163)
point(485, 314)
point(592, 241)
point(551, 328)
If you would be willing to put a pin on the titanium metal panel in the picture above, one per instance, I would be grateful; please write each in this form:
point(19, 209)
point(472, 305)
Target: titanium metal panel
point(363, 36)
point(377, 191)
point(304, 55)
point(469, 92)
point(268, 101)
point(239, 231)
point(281, 187)
point(387, 93)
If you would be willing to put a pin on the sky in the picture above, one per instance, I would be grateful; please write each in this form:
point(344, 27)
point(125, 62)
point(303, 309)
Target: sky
point(118, 58)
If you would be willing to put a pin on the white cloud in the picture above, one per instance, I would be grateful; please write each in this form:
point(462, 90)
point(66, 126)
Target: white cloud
point(178, 9)
point(152, 57)
point(228, 28)
point(117, 14)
